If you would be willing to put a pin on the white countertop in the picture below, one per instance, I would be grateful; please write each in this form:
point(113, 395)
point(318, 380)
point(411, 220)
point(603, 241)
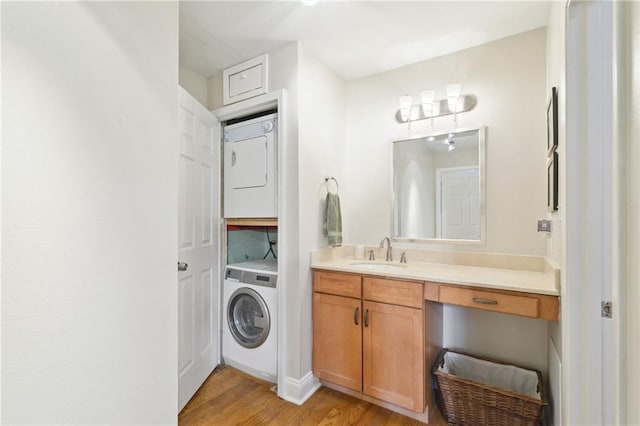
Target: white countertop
point(476, 276)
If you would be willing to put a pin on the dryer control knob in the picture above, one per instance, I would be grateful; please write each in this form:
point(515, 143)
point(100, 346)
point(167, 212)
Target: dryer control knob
point(268, 126)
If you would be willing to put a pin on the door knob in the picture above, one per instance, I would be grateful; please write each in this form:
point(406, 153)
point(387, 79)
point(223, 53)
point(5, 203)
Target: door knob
point(182, 266)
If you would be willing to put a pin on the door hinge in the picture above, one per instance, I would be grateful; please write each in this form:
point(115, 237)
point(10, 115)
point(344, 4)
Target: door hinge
point(607, 310)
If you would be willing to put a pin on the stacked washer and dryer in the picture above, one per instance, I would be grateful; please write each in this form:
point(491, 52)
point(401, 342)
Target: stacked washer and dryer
point(250, 291)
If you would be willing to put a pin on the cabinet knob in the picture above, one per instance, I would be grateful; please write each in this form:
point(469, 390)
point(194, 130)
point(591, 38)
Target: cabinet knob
point(366, 318)
point(356, 315)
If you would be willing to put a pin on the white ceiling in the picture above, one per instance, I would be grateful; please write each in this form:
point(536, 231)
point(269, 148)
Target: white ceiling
point(354, 38)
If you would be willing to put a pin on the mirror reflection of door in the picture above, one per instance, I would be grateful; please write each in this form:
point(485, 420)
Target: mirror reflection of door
point(457, 203)
point(438, 187)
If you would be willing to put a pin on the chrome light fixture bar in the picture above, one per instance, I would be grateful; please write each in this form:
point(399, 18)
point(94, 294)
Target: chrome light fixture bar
point(430, 108)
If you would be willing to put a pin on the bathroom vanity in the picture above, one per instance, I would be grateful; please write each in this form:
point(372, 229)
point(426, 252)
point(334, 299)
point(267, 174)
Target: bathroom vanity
point(377, 326)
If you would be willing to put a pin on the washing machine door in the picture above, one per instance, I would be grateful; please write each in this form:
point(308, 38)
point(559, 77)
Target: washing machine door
point(248, 318)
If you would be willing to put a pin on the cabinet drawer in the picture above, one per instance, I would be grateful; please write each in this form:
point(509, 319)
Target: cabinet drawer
point(491, 301)
point(395, 292)
point(337, 283)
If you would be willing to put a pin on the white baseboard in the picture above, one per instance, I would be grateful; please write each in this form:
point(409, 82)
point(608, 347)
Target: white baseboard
point(298, 391)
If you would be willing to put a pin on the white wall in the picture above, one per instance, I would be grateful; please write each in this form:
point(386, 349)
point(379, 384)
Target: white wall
point(89, 199)
point(194, 83)
point(214, 94)
point(520, 340)
point(508, 78)
point(284, 74)
point(631, 394)
point(322, 152)
point(555, 78)
point(555, 242)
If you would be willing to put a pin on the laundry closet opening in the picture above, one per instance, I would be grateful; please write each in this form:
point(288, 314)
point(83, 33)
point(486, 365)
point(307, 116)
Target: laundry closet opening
point(249, 243)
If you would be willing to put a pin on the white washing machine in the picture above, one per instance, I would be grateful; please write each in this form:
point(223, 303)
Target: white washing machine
point(250, 326)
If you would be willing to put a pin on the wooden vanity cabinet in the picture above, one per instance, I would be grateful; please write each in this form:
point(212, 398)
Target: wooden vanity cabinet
point(337, 340)
point(337, 329)
point(393, 355)
point(373, 341)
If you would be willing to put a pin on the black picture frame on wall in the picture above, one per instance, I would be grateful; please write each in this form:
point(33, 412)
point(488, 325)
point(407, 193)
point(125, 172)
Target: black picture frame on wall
point(552, 122)
point(552, 182)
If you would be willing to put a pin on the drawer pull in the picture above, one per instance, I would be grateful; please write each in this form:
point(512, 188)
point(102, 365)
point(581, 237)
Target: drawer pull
point(356, 315)
point(484, 301)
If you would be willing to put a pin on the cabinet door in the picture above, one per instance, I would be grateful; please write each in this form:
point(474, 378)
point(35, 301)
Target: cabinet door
point(393, 350)
point(337, 340)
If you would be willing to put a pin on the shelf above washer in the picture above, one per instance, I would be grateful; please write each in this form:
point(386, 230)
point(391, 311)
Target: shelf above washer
point(269, 221)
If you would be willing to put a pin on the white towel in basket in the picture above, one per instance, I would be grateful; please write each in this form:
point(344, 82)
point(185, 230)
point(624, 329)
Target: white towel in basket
point(508, 377)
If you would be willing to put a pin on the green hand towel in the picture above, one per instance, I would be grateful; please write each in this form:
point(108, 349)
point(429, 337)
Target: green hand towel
point(333, 220)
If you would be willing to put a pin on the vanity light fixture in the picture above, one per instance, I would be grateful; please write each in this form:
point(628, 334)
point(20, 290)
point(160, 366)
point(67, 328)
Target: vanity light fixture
point(430, 107)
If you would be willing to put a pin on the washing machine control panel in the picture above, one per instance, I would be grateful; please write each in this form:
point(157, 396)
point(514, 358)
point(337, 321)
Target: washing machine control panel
point(233, 274)
point(252, 277)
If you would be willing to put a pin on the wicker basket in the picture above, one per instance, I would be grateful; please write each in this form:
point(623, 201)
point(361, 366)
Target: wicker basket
point(468, 403)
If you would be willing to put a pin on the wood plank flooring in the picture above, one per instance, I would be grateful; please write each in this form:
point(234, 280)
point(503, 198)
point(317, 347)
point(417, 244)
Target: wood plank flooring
point(230, 397)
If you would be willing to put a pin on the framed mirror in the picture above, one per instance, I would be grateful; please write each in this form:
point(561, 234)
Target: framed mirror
point(438, 187)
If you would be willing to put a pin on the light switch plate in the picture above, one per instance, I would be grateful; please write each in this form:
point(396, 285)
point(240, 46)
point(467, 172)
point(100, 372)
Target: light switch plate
point(544, 225)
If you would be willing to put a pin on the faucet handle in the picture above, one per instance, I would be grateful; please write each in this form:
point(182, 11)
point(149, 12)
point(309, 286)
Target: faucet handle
point(371, 256)
point(403, 258)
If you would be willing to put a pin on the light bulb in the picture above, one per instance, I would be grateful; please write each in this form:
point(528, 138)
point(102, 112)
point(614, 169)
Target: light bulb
point(405, 107)
point(427, 97)
point(453, 95)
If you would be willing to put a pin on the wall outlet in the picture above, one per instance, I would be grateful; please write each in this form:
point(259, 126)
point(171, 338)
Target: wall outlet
point(544, 225)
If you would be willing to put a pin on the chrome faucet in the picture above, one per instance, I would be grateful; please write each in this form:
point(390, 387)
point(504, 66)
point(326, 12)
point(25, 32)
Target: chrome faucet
point(388, 257)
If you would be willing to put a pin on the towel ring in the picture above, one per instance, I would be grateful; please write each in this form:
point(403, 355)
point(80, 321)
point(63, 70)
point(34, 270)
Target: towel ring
point(327, 179)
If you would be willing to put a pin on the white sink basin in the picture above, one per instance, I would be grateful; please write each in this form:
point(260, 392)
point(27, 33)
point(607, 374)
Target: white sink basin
point(378, 266)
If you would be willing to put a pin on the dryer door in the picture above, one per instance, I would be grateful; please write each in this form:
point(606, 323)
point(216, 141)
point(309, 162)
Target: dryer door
point(248, 318)
point(248, 163)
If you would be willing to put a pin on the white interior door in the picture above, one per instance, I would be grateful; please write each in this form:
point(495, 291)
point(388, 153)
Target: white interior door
point(458, 210)
point(198, 246)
